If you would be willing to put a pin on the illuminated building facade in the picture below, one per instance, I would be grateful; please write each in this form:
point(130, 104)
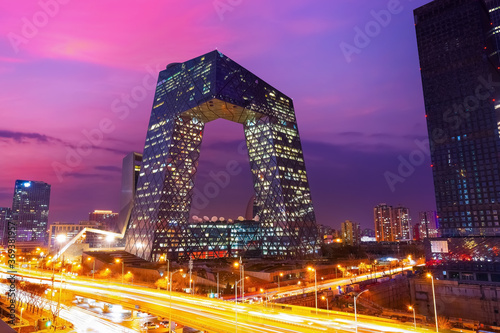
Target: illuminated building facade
point(382, 216)
point(427, 226)
point(351, 233)
point(5, 218)
point(106, 218)
point(30, 210)
point(392, 224)
point(198, 91)
point(458, 50)
point(222, 239)
point(401, 223)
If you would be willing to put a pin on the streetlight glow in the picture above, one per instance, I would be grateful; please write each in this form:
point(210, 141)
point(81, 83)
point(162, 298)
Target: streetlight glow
point(429, 275)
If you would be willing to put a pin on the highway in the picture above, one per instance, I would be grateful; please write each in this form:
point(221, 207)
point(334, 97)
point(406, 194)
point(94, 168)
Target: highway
point(222, 316)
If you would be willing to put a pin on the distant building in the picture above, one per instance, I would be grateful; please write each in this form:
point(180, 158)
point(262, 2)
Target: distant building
point(30, 210)
point(106, 217)
point(391, 224)
point(351, 233)
point(131, 167)
point(367, 232)
point(327, 234)
point(401, 224)
point(382, 215)
point(427, 226)
point(69, 231)
point(5, 218)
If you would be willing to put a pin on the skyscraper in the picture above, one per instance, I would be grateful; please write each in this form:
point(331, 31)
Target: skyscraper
point(457, 44)
point(131, 167)
point(30, 210)
point(5, 218)
point(195, 92)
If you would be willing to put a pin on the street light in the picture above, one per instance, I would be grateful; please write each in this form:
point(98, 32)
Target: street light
point(311, 269)
point(429, 275)
point(170, 296)
point(241, 266)
point(236, 303)
point(280, 274)
point(414, 318)
point(109, 239)
point(340, 267)
point(327, 309)
point(355, 312)
point(123, 266)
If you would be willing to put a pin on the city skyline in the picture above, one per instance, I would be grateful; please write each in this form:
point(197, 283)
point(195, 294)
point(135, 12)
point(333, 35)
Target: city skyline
point(361, 114)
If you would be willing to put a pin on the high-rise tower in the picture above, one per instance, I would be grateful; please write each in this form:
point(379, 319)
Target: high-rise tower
point(30, 210)
point(195, 92)
point(459, 68)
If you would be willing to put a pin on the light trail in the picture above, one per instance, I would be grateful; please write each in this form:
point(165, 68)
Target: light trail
point(219, 316)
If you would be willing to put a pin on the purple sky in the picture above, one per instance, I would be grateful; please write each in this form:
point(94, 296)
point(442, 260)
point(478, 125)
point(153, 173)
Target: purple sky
point(62, 72)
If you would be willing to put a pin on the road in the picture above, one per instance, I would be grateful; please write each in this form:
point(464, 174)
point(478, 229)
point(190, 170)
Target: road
point(222, 316)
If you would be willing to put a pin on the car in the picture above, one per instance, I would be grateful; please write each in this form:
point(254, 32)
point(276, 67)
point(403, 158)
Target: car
point(150, 325)
point(164, 323)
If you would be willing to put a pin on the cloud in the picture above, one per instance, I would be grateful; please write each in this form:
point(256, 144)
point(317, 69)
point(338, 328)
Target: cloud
point(110, 168)
point(29, 137)
point(83, 175)
point(25, 137)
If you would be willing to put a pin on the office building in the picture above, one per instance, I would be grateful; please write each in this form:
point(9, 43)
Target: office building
point(131, 167)
point(458, 51)
point(70, 230)
point(351, 233)
point(106, 218)
point(5, 218)
point(30, 210)
point(189, 95)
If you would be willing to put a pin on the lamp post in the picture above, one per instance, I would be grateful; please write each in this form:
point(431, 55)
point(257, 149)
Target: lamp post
point(170, 296)
point(123, 266)
point(355, 312)
point(326, 299)
point(414, 318)
point(429, 275)
point(311, 269)
point(236, 303)
point(93, 267)
point(280, 274)
point(218, 295)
